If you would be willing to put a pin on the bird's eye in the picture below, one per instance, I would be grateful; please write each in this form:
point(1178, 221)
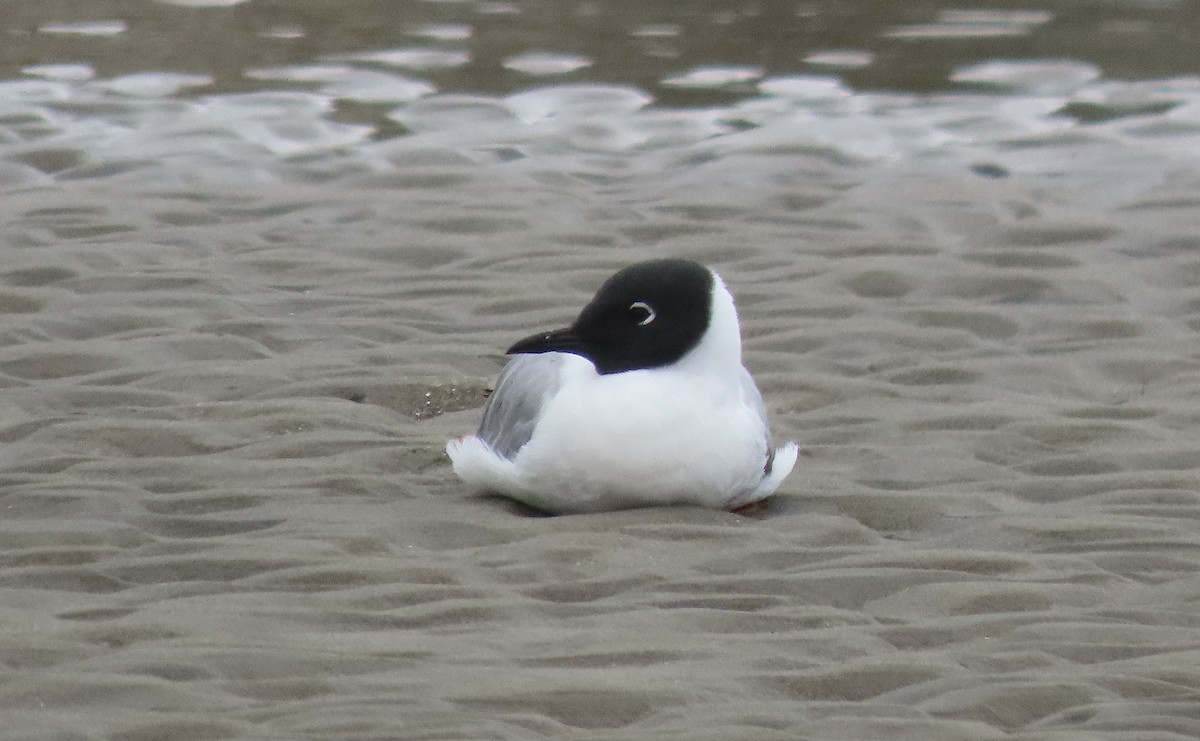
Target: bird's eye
point(641, 313)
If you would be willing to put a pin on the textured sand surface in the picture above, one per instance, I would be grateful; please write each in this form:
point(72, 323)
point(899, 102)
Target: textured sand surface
point(225, 511)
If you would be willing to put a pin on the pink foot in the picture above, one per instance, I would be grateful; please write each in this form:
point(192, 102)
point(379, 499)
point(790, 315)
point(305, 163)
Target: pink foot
point(748, 510)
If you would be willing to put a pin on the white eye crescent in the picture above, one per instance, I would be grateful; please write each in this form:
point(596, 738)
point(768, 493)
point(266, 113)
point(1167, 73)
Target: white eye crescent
point(641, 313)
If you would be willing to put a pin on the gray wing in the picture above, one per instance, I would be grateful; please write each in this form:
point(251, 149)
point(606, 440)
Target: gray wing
point(513, 409)
point(754, 398)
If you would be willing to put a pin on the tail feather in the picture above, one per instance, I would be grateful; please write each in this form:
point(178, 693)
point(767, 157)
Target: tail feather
point(781, 465)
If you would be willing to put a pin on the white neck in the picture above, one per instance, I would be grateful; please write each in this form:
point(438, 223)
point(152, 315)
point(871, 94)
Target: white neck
point(721, 346)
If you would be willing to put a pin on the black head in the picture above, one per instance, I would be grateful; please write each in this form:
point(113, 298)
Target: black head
point(648, 315)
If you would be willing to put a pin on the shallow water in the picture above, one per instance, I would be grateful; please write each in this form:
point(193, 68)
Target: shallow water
point(260, 260)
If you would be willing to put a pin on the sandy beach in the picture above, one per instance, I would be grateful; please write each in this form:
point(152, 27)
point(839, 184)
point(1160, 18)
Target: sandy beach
point(226, 512)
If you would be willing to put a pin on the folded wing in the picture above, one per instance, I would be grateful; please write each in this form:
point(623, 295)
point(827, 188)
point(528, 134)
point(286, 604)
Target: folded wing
point(513, 409)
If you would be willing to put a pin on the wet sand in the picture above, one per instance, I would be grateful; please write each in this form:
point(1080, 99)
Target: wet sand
point(227, 513)
point(229, 362)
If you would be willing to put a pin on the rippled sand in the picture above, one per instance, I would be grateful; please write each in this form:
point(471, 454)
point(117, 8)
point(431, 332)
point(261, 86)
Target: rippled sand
point(227, 513)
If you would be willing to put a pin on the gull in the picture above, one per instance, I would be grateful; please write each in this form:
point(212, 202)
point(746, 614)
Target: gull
point(643, 401)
